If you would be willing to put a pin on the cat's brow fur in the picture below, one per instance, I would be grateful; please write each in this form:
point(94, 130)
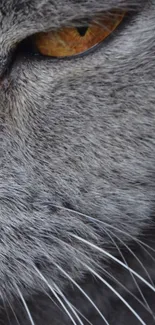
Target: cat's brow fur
point(80, 135)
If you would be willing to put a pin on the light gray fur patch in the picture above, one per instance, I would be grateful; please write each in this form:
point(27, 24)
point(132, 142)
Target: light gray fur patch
point(74, 133)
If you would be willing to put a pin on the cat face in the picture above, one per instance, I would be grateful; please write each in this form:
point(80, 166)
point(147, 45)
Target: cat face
point(76, 141)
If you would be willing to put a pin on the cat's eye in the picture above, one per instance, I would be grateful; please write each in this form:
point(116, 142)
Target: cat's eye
point(71, 41)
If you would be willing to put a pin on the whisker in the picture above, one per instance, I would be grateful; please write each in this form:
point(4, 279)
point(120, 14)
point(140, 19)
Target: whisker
point(108, 285)
point(121, 254)
point(126, 289)
point(5, 308)
point(25, 305)
point(114, 259)
point(116, 293)
point(15, 316)
point(146, 251)
point(146, 307)
point(55, 294)
point(48, 295)
point(68, 303)
point(72, 306)
point(130, 250)
point(83, 292)
point(145, 270)
point(140, 242)
point(85, 318)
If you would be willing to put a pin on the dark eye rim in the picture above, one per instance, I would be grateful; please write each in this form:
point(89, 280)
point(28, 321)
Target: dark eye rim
point(27, 47)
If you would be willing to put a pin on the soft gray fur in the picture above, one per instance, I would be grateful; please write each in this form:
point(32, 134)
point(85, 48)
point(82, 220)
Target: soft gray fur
point(76, 134)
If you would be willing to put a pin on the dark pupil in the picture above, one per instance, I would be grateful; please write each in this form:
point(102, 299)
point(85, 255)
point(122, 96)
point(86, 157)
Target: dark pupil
point(82, 30)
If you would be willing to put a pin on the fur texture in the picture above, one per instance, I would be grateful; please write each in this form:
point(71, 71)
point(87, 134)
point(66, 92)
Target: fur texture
point(77, 141)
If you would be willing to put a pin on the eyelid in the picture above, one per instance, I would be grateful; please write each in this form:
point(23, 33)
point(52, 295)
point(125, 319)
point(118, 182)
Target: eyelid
point(29, 46)
point(69, 42)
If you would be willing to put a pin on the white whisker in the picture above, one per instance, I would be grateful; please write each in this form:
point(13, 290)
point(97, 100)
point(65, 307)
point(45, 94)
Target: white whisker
point(94, 220)
point(13, 311)
point(108, 285)
point(138, 260)
point(126, 289)
point(145, 306)
point(55, 294)
point(138, 241)
point(25, 305)
point(5, 308)
point(48, 295)
point(83, 292)
point(71, 305)
point(68, 303)
point(134, 279)
point(85, 318)
point(116, 293)
point(114, 259)
point(146, 272)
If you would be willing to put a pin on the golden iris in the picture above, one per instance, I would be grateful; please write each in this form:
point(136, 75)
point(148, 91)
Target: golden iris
point(70, 41)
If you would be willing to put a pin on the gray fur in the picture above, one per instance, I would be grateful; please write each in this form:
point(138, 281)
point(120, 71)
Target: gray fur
point(77, 133)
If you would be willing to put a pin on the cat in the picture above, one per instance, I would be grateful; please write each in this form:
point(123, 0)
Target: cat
point(77, 150)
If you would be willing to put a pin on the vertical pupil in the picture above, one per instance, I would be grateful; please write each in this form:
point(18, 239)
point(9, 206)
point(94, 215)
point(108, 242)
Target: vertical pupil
point(82, 30)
